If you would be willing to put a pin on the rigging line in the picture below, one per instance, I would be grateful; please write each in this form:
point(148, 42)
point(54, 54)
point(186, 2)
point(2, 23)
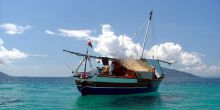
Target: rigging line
point(139, 30)
point(80, 64)
point(137, 33)
point(154, 38)
point(90, 64)
point(66, 65)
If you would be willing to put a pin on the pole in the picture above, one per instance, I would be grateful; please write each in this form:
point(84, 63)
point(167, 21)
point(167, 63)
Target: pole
point(86, 57)
point(148, 24)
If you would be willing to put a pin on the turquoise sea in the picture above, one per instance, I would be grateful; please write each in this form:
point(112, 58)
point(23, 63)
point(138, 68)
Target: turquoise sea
point(26, 93)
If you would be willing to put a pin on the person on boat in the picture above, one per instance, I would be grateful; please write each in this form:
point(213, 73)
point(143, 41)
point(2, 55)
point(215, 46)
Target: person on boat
point(105, 70)
point(153, 72)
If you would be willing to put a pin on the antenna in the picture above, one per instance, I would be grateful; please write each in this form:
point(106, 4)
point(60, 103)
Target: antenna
point(148, 24)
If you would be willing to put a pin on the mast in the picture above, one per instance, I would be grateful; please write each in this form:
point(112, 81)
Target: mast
point(86, 57)
point(148, 24)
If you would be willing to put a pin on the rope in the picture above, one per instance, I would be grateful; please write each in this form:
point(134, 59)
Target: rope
point(139, 30)
point(154, 39)
point(67, 65)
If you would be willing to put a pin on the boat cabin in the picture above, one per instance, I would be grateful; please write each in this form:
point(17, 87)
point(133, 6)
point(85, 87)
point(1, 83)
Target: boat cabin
point(130, 68)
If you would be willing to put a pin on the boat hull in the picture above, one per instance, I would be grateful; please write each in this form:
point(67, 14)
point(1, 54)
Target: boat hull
point(114, 91)
point(88, 87)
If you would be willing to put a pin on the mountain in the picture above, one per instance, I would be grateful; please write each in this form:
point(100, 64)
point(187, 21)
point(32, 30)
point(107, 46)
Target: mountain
point(172, 75)
point(2, 75)
point(177, 73)
point(169, 74)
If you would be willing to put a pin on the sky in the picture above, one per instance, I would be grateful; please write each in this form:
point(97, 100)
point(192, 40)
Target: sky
point(34, 33)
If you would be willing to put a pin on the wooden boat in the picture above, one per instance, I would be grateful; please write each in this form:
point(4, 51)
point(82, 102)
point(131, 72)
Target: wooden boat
point(121, 76)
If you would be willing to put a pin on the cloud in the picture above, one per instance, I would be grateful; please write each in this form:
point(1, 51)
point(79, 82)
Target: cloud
point(38, 55)
point(186, 61)
point(109, 44)
point(172, 52)
point(71, 33)
point(50, 32)
point(13, 29)
point(6, 56)
point(75, 33)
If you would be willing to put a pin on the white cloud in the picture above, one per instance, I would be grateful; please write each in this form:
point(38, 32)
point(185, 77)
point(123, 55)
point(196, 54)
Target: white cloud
point(13, 29)
point(167, 51)
point(109, 44)
point(75, 33)
point(214, 69)
point(38, 55)
point(172, 52)
point(186, 61)
point(50, 32)
point(6, 56)
point(71, 33)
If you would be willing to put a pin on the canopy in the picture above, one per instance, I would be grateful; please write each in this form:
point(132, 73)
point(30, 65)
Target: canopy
point(137, 65)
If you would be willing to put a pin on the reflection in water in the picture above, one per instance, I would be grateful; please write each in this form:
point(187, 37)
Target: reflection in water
point(8, 100)
point(136, 101)
point(149, 100)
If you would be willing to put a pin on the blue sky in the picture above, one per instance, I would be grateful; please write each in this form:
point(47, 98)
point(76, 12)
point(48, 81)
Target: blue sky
point(191, 28)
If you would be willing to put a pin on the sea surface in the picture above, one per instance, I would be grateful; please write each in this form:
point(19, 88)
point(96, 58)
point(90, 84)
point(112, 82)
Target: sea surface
point(26, 93)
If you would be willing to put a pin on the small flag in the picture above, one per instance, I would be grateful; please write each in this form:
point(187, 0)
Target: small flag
point(89, 43)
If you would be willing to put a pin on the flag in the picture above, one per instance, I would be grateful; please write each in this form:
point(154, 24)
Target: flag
point(89, 43)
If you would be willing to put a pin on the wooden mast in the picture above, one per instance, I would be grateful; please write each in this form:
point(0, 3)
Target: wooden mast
point(148, 24)
point(86, 57)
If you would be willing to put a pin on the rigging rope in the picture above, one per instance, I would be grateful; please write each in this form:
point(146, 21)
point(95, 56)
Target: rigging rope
point(137, 33)
point(154, 40)
point(139, 30)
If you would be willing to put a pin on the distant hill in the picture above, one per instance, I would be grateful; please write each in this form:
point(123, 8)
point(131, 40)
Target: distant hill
point(177, 73)
point(172, 75)
point(3, 75)
point(169, 74)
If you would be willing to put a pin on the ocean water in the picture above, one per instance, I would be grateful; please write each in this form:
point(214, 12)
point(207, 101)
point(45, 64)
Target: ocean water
point(61, 94)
